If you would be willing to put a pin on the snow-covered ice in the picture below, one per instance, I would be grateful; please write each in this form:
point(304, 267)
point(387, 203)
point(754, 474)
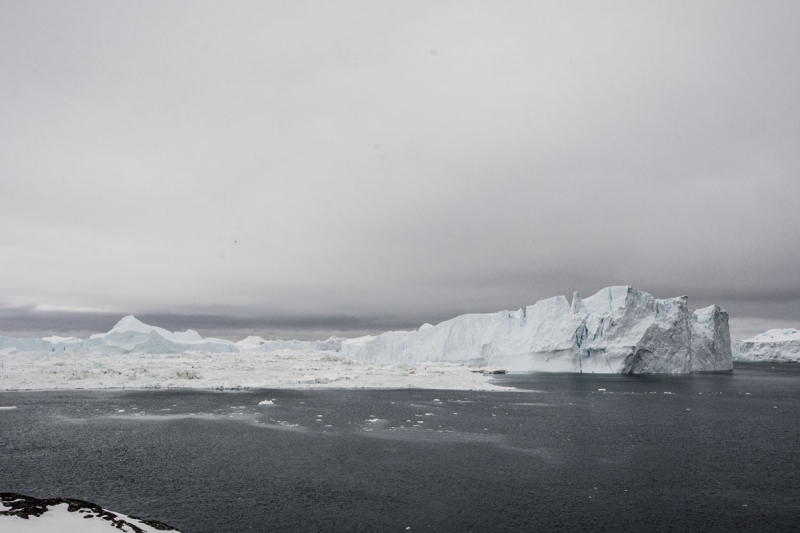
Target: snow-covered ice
point(618, 330)
point(775, 345)
point(255, 343)
point(25, 514)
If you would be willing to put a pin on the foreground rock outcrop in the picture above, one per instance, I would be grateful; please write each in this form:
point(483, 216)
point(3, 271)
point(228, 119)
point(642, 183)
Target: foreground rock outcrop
point(618, 330)
point(26, 513)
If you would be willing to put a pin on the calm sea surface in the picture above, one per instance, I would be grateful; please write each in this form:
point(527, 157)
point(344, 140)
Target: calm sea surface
point(567, 453)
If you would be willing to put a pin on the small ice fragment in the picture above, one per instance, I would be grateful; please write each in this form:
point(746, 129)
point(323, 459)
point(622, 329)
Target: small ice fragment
point(428, 414)
point(601, 390)
point(665, 392)
point(319, 416)
point(266, 402)
point(437, 400)
point(120, 410)
point(7, 407)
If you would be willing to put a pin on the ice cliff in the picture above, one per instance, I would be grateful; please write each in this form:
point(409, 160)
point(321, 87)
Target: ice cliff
point(711, 340)
point(618, 330)
point(775, 345)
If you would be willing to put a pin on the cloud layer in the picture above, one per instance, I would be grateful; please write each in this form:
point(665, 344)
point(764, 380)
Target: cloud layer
point(392, 164)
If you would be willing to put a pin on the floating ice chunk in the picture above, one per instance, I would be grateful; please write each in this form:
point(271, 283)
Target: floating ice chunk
point(266, 402)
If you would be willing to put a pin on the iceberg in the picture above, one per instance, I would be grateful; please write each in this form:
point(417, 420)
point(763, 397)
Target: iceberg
point(618, 330)
point(131, 335)
point(775, 345)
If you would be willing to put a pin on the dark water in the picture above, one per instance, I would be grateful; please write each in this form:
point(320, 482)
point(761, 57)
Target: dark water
point(689, 453)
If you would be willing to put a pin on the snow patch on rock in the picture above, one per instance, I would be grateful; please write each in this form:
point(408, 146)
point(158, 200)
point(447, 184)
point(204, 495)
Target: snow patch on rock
point(25, 514)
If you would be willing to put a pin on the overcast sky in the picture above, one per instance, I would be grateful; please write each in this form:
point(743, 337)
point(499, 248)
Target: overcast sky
point(369, 165)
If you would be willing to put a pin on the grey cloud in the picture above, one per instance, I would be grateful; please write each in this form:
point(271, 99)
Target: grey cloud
point(317, 162)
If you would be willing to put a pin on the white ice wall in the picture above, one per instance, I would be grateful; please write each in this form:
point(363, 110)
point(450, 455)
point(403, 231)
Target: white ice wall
point(711, 340)
point(618, 330)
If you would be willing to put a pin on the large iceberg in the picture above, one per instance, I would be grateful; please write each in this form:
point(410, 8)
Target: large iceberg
point(618, 330)
point(775, 345)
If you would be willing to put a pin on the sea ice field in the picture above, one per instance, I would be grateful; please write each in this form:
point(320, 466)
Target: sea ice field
point(278, 369)
point(542, 452)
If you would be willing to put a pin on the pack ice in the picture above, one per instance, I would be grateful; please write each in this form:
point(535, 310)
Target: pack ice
point(775, 345)
point(618, 330)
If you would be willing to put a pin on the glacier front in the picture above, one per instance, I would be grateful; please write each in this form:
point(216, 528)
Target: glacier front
point(618, 330)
